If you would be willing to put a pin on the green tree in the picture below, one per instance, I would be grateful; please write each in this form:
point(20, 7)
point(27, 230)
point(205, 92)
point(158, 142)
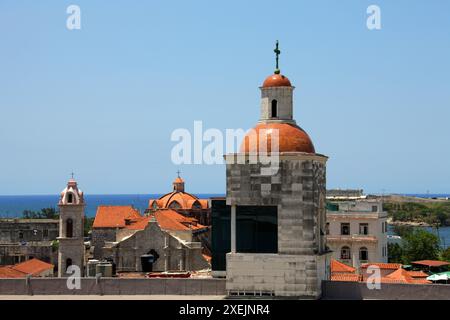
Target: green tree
point(395, 253)
point(446, 255)
point(49, 213)
point(420, 245)
point(88, 222)
point(45, 213)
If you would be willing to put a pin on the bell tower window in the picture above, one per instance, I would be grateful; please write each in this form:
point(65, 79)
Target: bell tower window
point(274, 108)
point(69, 228)
point(69, 198)
point(68, 263)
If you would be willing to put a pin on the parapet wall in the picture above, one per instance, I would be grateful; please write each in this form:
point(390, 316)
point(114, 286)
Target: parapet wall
point(113, 286)
point(337, 290)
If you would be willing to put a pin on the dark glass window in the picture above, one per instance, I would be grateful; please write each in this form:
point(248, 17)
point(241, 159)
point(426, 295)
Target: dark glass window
point(220, 233)
point(363, 254)
point(345, 229)
point(345, 253)
point(256, 229)
point(68, 263)
point(363, 228)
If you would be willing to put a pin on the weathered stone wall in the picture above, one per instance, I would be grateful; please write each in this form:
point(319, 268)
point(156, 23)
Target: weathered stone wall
point(281, 275)
point(298, 189)
point(98, 238)
point(113, 286)
point(12, 254)
point(173, 254)
point(30, 229)
point(388, 291)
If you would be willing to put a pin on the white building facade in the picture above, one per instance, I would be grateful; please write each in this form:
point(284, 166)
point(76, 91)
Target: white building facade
point(357, 231)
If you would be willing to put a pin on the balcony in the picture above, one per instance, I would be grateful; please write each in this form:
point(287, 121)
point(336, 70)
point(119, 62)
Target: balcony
point(366, 238)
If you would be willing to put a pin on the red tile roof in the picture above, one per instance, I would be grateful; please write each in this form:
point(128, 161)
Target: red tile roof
point(9, 272)
point(171, 220)
point(179, 200)
point(432, 263)
point(404, 276)
point(349, 277)
point(337, 266)
point(119, 217)
point(417, 274)
point(32, 267)
point(387, 266)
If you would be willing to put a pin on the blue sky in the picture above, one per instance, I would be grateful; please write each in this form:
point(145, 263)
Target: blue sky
point(103, 101)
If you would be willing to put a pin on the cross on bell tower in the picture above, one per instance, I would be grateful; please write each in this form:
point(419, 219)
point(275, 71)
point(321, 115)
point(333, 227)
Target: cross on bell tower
point(277, 55)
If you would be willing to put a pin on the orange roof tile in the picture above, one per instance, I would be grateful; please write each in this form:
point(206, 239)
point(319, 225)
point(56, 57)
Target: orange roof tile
point(432, 263)
point(399, 274)
point(349, 277)
point(33, 266)
point(388, 266)
point(171, 220)
point(405, 277)
point(7, 272)
point(417, 274)
point(182, 200)
point(337, 266)
point(119, 217)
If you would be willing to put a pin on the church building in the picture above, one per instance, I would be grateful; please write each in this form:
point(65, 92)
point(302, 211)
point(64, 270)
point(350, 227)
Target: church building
point(277, 216)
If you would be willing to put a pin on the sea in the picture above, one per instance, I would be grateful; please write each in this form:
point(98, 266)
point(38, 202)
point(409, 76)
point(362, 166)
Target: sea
point(13, 206)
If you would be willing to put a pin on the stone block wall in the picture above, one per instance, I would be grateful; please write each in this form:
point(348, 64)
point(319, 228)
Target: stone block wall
point(298, 189)
point(280, 275)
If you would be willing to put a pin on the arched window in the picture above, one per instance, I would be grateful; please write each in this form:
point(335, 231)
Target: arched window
point(345, 253)
point(196, 205)
point(69, 228)
point(363, 254)
point(69, 198)
point(68, 263)
point(274, 108)
point(174, 205)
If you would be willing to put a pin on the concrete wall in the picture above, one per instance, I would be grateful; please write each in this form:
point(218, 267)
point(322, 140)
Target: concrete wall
point(298, 190)
point(389, 291)
point(280, 275)
point(113, 286)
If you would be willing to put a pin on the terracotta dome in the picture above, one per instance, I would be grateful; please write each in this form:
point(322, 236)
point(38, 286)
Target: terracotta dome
point(276, 80)
point(178, 200)
point(292, 138)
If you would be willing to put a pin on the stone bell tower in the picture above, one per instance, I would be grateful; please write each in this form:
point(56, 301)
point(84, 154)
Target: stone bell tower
point(284, 212)
point(71, 226)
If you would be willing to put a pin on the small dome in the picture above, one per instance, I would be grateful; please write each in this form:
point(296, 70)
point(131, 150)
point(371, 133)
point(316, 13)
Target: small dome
point(292, 138)
point(276, 80)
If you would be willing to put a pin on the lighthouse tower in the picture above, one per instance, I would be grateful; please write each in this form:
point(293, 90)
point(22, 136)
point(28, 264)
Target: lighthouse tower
point(71, 225)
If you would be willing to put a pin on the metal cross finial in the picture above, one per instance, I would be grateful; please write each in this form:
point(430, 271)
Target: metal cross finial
point(178, 173)
point(72, 175)
point(277, 54)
